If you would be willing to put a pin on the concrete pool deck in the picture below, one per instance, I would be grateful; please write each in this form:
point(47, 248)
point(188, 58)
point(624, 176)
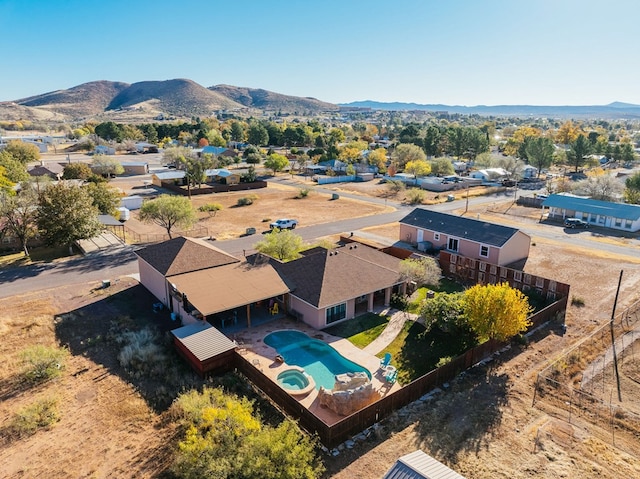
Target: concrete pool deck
point(261, 356)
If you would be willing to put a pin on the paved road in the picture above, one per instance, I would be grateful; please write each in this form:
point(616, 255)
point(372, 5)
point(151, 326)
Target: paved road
point(113, 264)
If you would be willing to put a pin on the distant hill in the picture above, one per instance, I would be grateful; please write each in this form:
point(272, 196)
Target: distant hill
point(83, 100)
point(268, 100)
point(143, 101)
point(179, 97)
point(613, 110)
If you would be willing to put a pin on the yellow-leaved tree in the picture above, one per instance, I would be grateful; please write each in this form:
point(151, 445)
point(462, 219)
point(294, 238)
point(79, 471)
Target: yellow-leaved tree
point(496, 311)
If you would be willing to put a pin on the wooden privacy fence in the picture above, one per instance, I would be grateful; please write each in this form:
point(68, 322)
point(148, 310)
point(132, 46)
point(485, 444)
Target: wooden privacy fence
point(351, 425)
point(208, 189)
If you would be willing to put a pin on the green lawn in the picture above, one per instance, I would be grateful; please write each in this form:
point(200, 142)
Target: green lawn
point(361, 330)
point(445, 286)
point(415, 353)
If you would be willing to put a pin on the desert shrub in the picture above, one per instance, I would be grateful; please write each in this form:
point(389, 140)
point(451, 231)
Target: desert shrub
point(247, 200)
point(142, 352)
point(395, 186)
point(43, 363)
point(29, 419)
point(303, 193)
point(415, 196)
point(211, 208)
point(576, 301)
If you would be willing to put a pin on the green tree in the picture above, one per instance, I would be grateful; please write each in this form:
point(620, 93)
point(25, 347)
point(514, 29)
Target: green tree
point(80, 171)
point(66, 214)
point(432, 141)
point(105, 198)
point(237, 132)
point(105, 166)
point(632, 189)
point(417, 168)
point(539, 152)
point(423, 271)
point(23, 152)
point(18, 215)
point(444, 311)
point(405, 153)
point(442, 167)
point(223, 437)
point(496, 311)
point(284, 245)
point(169, 211)
point(276, 162)
point(6, 185)
point(14, 170)
point(579, 149)
point(257, 134)
point(109, 131)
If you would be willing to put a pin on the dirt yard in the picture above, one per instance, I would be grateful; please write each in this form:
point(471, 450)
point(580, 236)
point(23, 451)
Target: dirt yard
point(482, 425)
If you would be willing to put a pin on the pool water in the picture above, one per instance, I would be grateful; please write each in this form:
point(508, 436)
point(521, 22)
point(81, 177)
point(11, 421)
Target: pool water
point(318, 359)
point(293, 380)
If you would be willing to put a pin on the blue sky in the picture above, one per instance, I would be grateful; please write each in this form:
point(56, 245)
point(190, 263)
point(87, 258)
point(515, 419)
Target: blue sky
point(459, 52)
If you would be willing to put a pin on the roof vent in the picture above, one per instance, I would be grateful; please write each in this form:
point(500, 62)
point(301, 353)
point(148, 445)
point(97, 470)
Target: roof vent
point(355, 246)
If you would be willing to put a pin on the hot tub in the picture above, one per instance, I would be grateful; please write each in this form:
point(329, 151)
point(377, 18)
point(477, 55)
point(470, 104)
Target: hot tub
point(296, 382)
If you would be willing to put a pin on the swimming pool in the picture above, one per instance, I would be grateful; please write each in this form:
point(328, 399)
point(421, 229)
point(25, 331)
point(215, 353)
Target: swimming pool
point(318, 359)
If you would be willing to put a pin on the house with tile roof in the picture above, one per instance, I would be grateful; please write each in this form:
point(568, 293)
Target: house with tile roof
point(617, 216)
point(488, 242)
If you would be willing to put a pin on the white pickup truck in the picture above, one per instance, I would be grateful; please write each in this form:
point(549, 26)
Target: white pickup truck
point(284, 224)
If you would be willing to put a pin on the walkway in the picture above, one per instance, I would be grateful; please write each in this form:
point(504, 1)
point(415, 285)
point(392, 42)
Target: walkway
point(396, 323)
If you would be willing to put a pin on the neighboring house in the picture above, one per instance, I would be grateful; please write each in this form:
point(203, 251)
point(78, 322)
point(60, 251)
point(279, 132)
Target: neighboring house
point(227, 177)
point(133, 202)
point(52, 170)
point(175, 176)
point(617, 216)
point(143, 147)
point(418, 465)
point(195, 280)
point(490, 174)
point(335, 165)
point(213, 150)
point(495, 244)
point(135, 167)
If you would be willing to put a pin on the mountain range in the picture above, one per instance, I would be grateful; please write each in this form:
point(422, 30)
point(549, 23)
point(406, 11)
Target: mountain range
point(183, 98)
point(612, 110)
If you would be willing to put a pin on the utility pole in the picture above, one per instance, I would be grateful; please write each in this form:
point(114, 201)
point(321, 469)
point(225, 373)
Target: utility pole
point(613, 339)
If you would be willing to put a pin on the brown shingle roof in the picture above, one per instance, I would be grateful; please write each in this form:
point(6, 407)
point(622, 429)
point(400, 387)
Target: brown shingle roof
point(331, 277)
point(183, 255)
point(226, 287)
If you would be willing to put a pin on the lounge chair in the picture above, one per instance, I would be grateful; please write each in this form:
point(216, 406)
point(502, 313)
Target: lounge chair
point(392, 376)
point(385, 361)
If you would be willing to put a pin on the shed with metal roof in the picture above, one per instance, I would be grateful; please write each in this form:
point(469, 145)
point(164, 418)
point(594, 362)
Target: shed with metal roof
point(419, 465)
point(205, 348)
point(607, 214)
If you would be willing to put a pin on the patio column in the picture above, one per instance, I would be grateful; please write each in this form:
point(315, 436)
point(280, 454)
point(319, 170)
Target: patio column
point(249, 315)
point(387, 296)
point(370, 302)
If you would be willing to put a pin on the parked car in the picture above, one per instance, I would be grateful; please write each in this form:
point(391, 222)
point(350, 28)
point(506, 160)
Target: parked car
point(284, 224)
point(575, 223)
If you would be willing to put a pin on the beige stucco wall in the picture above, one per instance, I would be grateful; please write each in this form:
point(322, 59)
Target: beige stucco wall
point(153, 281)
point(317, 318)
point(515, 249)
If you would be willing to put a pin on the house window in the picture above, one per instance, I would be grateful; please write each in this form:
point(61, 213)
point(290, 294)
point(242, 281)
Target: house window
point(503, 272)
point(618, 222)
point(493, 269)
point(601, 219)
point(484, 251)
point(517, 275)
point(436, 236)
point(627, 224)
point(452, 268)
point(539, 282)
point(453, 244)
point(482, 266)
point(527, 278)
point(453, 258)
point(492, 279)
point(480, 277)
point(336, 313)
point(552, 285)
